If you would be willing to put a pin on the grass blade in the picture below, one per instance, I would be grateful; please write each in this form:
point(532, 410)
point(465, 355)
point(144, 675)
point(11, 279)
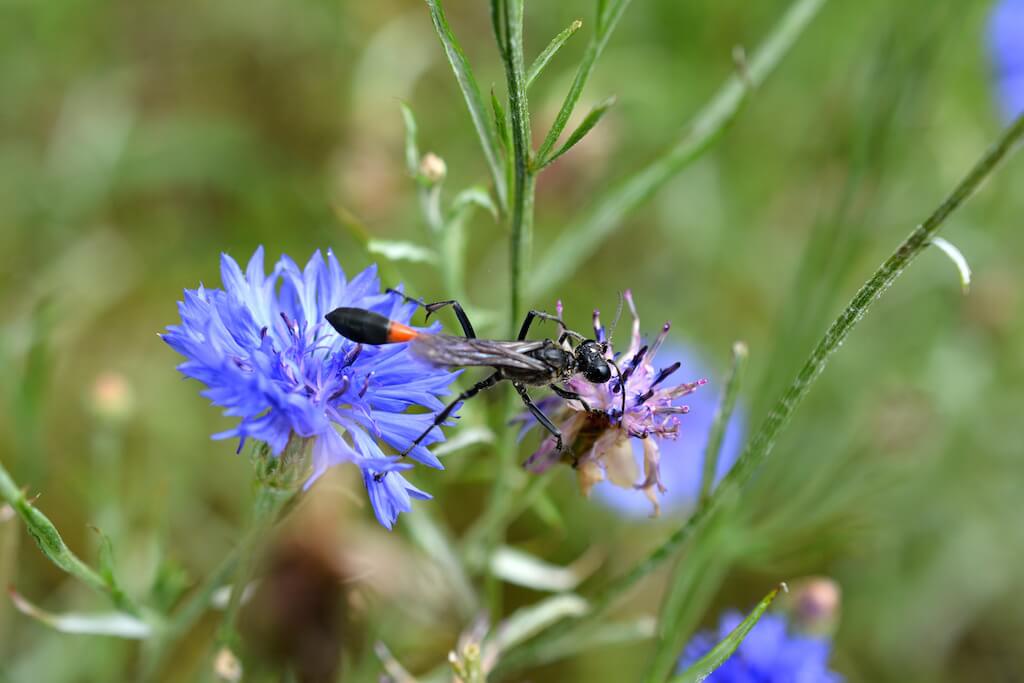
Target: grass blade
point(398, 250)
point(692, 586)
point(589, 121)
point(550, 51)
point(117, 624)
point(9, 535)
point(501, 124)
point(707, 664)
point(412, 152)
point(958, 259)
point(721, 421)
point(598, 636)
point(581, 239)
point(474, 100)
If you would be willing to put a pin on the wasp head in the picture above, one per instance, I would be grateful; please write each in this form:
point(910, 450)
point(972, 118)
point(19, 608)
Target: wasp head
point(591, 363)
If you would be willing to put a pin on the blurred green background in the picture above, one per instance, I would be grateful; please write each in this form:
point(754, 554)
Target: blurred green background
point(140, 139)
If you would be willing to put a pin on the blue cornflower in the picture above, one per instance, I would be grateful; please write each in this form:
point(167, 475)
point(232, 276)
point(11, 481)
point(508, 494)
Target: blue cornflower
point(771, 653)
point(682, 459)
point(266, 355)
point(1006, 47)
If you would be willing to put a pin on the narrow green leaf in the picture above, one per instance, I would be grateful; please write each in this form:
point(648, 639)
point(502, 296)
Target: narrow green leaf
point(46, 536)
point(471, 93)
point(358, 231)
point(396, 250)
point(106, 557)
point(501, 124)
point(548, 512)
point(523, 569)
point(577, 242)
point(526, 622)
point(437, 543)
point(703, 668)
point(116, 624)
point(550, 51)
point(588, 122)
point(722, 416)
point(597, 636)
point(693, 583)
point(412, 153)
point(608, 17)
point(474, 196)
point(464, 438)
point(9, 537)
point(958, 259)
point(392, 666)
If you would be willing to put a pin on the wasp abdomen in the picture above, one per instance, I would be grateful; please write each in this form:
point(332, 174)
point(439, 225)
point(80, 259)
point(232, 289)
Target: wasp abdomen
point(366, 327)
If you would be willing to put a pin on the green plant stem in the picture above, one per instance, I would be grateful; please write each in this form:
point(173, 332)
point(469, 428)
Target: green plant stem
point(49, 540)
point(508, 30)
point(276, 487)
point(496, 518)
point(692, 586)
point(722, 416)
point(580, 240)
point(155, 651)
point(9, 537)
point(761, 445)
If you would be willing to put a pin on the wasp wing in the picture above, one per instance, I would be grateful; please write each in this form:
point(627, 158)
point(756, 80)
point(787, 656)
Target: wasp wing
point(446, 350)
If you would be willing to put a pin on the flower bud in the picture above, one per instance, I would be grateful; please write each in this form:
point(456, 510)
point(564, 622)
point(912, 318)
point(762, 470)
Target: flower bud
point(432, 168)
point(815, 604)
point(226, 666)
point(112, 397)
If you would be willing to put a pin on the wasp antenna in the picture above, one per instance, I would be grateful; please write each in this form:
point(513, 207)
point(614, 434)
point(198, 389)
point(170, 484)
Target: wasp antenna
point(615, 321)
point(622, 386)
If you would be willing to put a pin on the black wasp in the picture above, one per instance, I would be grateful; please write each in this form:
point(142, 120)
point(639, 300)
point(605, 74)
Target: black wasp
point(523, 362)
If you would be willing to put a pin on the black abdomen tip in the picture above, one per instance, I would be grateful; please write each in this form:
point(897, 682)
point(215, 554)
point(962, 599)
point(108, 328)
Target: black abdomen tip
point(360, 325)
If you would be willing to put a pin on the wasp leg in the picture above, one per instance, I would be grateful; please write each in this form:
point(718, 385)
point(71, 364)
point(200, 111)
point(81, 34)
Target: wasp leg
point(570, 396)
point(528, 321)
point(460, 313)
point(539, 414)
point(485, 383)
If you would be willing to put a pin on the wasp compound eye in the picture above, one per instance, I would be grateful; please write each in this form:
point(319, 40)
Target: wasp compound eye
point(597, 371)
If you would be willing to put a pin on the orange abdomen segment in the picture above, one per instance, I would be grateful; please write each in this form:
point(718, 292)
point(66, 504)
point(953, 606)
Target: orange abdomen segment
point(397, 332)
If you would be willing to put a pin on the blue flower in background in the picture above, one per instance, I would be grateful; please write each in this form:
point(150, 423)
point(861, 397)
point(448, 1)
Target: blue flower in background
point(1006, 45)
point(618, 429)
point(266, 355)
point(682, 459)
point(770, 653)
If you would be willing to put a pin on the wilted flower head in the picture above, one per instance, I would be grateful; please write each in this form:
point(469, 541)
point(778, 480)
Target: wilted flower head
point(599, 443)
point(682, 459)
point(770, 653)
point(266, 355)
point(1006, 45)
